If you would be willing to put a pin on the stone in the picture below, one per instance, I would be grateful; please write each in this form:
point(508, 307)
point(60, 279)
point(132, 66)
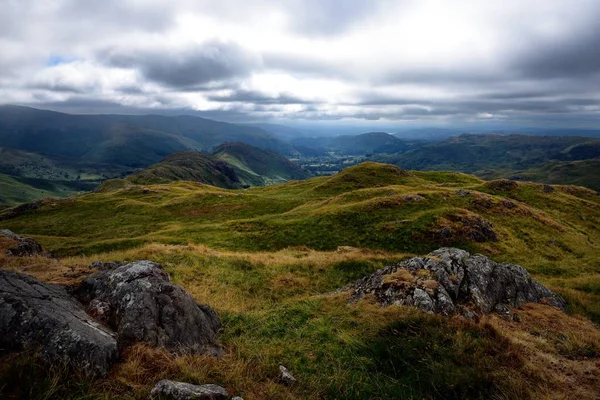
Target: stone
point(450, 280)
point(140, 304)
point(286, 376)
point(34, 315)
point(172, 390)
point(25, 246)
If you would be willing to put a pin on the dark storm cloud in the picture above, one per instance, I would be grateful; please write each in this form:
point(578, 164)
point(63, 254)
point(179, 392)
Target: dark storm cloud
point(256, 97)
point(206, 63)
point(573, 55)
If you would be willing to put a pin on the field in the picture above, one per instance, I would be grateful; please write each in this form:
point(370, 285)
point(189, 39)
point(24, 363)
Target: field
point(270, 259)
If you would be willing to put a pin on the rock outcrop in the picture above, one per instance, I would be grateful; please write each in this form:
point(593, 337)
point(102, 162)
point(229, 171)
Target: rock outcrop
point(40, 316)
point(141, 305)
point(171, 390)
point(451, 280)
point(24, 247)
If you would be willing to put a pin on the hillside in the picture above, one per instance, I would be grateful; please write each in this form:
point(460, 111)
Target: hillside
point(257, 167)
point(495, 155)
point(129, 140)
point(187, 166)
point(269, 260)
point(230, 166)
point(371, 142)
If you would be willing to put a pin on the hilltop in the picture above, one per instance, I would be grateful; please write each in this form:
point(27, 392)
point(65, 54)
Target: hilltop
point(270, 259)
point(230, 166)
point(519, 156)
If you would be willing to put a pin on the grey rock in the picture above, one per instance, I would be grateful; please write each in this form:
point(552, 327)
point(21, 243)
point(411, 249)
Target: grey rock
point(451, 280)
point(139, 303)
point(286, 376)
point(25, 246)
point(34, 315)
point(171, 390)
point(236, 398)
point(105, 265)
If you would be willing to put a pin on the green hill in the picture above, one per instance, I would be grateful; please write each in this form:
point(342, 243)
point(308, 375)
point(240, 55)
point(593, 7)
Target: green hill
point(269, 260)
point(187, 166)
point(230, 166)
point(129, 140)
point(494, 155)
point(257, 167)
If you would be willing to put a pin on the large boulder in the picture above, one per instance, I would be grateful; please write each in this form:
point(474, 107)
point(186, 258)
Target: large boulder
point(451, 280)
point(172, 390)
point(34, 315)
point(24, 246)
point(141, 305)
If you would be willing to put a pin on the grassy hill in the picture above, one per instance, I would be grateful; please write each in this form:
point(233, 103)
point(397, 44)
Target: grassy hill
point(369, 206)
point(257, 167)
point(230, 166)
point(493, 155)
point(269, 260)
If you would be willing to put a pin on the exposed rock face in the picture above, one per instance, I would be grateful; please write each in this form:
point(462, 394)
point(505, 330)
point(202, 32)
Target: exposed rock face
point(141, 305)
point(172, 390)
point(33, 314)
point(25, 246)
point(451, 280)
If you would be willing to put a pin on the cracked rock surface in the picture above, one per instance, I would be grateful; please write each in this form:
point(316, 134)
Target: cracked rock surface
point(450, 280)
point(138, 301)
point(41, 316)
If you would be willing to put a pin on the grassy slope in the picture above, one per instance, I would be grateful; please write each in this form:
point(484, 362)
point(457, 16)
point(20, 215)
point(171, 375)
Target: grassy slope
point(538, 158)
point(258, 167)
point(16, 190)
point(251, 255)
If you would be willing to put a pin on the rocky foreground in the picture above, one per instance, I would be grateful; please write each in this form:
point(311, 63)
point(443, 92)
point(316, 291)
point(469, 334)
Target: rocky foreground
point(450, 280)
point(107, 311)
point(120, 304)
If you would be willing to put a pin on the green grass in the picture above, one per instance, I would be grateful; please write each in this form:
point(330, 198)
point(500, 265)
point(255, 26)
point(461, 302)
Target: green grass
point(252, 255)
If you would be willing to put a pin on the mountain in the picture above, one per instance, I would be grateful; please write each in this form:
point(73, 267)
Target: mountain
point(187, 166)
point(495, 155)
point(128, 140)
point(370, 142)
point(270, 261)
point(230, 165)
point(257, 167)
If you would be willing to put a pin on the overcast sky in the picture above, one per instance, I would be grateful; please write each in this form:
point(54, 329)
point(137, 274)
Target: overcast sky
point(415, 61)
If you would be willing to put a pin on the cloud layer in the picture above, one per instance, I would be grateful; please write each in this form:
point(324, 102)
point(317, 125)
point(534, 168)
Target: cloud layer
point(389, 60)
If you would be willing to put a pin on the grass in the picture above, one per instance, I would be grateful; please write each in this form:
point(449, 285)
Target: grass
point(270, 259)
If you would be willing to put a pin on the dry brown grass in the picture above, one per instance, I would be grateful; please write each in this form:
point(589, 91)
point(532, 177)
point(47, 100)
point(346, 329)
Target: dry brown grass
point(562, 352)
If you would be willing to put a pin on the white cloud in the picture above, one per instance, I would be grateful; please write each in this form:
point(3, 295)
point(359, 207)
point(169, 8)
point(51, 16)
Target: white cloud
point(417, 59)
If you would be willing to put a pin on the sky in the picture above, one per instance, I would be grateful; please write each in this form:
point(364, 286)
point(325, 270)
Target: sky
point(414, 62)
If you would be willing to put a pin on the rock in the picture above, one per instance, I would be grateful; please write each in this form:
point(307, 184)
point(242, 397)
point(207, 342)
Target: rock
point(25, 246)
point(21, 209)
point(172, 390)
point(286, 376)
point(548, 189)
point(141, 305)
point(105, 265)
point(236, 398)
point(451, 280)
point(36, 315)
